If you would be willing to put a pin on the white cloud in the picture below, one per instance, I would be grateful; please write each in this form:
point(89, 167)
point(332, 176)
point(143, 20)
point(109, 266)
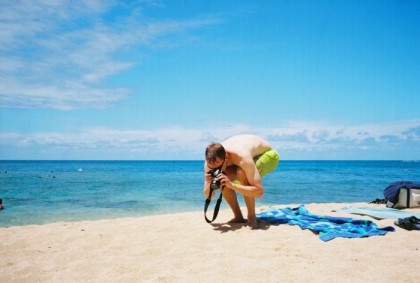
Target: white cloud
point(59, 54)
point(318, 136)
point(70, 95)
point(395, 140)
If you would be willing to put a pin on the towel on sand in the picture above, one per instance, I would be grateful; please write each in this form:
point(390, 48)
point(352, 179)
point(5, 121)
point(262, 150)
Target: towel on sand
point(328, 227)
point(380, 212)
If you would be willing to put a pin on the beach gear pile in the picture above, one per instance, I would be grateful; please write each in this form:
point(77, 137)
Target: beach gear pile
point(327, 227)
point(403, 194)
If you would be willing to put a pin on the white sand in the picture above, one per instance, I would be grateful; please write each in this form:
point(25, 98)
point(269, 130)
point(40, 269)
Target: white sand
point(184, 248)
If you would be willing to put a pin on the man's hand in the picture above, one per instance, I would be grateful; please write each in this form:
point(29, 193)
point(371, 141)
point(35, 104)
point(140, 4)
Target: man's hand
point(208, 178)
point(224, 181)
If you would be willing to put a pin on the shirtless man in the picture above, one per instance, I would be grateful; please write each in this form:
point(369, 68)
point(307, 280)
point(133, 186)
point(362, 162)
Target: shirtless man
point(244, 159)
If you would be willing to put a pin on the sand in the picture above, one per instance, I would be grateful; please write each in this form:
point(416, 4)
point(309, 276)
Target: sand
point(184, 248)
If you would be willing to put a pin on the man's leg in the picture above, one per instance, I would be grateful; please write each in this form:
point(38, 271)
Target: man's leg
point(230, 197)
point(252, 218)
point(265, 164)
point(249, 201)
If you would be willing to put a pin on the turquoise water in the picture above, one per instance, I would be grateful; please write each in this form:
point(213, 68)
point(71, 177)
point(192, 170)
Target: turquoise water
point(37, 192)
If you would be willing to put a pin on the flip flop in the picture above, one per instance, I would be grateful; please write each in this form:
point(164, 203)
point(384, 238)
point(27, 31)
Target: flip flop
point(379, 201)
point(408, 223)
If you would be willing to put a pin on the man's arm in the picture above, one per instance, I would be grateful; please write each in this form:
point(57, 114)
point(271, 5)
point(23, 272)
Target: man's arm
point(251, 185)
point(207, 182)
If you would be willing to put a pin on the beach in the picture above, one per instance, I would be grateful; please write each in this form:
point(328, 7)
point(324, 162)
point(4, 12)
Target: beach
point(184, 248)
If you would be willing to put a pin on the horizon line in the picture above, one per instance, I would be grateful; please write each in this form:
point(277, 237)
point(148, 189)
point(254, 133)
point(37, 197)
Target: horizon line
point(160, 160)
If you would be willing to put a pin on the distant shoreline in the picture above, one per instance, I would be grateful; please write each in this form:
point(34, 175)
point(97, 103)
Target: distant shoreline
point(198, 160)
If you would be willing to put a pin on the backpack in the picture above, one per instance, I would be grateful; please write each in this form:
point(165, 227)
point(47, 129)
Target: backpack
point(403, 194)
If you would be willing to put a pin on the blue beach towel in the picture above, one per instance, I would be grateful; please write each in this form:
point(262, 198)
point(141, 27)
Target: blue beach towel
point(328, 227)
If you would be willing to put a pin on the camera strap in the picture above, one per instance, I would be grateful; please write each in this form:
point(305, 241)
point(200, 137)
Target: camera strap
point(216, 208)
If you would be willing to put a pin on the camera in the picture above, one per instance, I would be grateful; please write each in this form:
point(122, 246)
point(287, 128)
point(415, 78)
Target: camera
point(215, 184)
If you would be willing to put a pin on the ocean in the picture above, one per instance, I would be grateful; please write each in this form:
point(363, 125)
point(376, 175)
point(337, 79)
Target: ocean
point(39, 192)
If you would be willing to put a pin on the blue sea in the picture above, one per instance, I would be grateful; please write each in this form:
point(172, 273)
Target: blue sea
point(39, 192)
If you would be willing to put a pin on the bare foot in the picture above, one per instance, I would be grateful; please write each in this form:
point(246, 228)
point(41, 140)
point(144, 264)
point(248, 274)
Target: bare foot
point(253, 223)
point(237, 220)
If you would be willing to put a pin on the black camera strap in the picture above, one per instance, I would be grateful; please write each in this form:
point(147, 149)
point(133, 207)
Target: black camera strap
point(216, 208)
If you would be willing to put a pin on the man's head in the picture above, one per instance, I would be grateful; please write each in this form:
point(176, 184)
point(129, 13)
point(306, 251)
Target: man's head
point(215, 154)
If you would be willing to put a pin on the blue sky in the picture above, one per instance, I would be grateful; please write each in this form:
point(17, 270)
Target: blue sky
point(161, 79)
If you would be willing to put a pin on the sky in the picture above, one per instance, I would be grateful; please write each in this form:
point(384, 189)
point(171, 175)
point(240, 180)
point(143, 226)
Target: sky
point(159, 80)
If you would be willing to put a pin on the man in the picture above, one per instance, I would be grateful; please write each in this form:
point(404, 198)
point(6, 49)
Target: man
point(244, 159)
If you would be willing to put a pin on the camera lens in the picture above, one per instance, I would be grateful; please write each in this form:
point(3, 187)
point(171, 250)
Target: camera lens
point(215, 184)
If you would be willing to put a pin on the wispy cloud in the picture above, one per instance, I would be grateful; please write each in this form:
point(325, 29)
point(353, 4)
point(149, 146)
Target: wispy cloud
point(294, 140)
point(319, 136)
point(59, 54)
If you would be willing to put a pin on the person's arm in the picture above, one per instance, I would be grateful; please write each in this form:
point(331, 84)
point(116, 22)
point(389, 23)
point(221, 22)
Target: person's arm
point(207, 182)
point(249, 191)
point(253, 187)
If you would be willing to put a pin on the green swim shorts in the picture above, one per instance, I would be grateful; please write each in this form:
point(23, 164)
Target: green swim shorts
point(267, 161)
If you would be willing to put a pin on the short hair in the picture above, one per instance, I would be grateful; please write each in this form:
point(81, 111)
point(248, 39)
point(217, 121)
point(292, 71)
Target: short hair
point(213, 151)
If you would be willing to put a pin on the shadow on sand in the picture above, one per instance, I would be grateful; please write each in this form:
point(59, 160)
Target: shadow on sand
point(230, 227)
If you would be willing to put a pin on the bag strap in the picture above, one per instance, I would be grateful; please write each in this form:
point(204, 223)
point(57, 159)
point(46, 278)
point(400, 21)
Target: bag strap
point(216, 208)
point(408, 197)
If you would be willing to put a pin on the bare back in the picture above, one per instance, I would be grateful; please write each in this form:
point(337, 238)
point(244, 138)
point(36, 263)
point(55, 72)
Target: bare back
point(245, 147)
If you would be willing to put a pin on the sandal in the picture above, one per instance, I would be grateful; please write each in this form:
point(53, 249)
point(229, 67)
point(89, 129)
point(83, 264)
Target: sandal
point(408, 223)
point(379, 201)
